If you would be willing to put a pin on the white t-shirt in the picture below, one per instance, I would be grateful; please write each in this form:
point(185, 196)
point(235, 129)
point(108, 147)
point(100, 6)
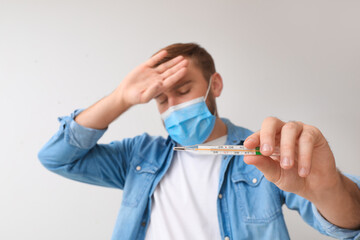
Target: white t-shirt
point(184, 202)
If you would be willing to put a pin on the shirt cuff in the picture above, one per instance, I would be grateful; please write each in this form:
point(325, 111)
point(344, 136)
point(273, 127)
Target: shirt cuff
point(78, 135)
point(333, 230)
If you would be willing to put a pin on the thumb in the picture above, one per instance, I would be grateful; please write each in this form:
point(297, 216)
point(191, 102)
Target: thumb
point(269, 167)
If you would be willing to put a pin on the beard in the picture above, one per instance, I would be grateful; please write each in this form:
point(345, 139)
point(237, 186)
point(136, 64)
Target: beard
point(211, 104)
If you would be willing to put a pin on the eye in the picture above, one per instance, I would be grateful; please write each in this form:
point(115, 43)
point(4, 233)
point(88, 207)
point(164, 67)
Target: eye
point(183, 91)
point(162, 99)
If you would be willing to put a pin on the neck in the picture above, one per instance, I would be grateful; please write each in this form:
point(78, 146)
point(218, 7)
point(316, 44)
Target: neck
point(219, 130)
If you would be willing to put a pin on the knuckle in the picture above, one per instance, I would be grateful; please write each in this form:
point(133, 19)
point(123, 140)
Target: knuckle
point(290, 126)
point(156, 84)
point(255, 134)
point(300, 123)
point(265, 135)
point(312, 130)
point(270, 119)
point(316, 130)
point(307, 138)
point(286, 147)
point(159, 82)
point(304, 157)
point(163, 75)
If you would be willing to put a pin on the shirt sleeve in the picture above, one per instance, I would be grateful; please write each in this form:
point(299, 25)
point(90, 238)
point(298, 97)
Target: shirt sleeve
point(311, 215)
point(73, 152)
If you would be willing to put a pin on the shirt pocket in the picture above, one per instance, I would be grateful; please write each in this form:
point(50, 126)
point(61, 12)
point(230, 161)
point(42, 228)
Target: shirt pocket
point(259, 201)
point(138, 182)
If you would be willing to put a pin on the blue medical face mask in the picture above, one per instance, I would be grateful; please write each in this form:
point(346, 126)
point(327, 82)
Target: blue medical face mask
point(191, 122)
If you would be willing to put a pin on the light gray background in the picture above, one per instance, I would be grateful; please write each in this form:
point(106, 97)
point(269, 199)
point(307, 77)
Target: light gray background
point(296, 60)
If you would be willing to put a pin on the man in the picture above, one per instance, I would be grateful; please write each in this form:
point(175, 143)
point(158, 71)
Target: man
point(182, 195)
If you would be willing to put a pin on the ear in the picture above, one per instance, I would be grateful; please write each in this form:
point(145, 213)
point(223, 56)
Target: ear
point(216, 85)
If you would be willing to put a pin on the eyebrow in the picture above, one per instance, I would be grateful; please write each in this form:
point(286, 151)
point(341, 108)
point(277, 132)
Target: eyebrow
point(181, 84)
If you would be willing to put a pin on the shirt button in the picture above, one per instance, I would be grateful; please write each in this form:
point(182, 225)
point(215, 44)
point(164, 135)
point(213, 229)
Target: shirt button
point(143, 224)
point(138, 168)
point(220, 196)
point(254, 180)
point(226, 238)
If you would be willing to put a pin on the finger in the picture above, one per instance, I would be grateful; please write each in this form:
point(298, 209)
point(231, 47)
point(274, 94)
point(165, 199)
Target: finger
point(151, 62)
point(166, 65)
point(152, 90)
point(269, 128)
point(174, 78)
point(270, 168)
point(289, 135)
point(306, 147)
point(174, 69)
point(253, 140)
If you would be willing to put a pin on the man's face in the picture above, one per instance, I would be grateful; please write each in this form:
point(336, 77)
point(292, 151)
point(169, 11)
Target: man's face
point(191, 86)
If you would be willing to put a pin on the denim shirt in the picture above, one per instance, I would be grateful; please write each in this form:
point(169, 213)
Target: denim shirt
point(250, 207)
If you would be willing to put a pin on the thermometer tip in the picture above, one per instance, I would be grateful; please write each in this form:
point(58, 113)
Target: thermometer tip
point(179, 148)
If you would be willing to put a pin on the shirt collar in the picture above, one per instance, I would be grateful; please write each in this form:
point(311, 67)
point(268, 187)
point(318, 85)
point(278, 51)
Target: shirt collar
point(236, 135)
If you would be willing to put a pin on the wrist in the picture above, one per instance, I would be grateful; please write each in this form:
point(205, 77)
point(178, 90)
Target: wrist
point(341, 204)
point(118, 97)
point(333, 189)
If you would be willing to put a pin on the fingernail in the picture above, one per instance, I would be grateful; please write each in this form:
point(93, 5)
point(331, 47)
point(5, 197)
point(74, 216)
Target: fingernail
point(303, 172)
point(285, 162)
point(266, 147)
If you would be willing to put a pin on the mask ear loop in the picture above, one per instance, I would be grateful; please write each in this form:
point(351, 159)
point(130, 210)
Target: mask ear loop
point(207, 92)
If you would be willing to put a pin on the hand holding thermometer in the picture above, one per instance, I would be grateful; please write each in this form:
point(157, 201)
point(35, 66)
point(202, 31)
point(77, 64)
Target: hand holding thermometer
point(224, 150)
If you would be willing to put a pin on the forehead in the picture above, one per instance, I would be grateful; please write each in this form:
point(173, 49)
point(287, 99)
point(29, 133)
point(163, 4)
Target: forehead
point(193, 73)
